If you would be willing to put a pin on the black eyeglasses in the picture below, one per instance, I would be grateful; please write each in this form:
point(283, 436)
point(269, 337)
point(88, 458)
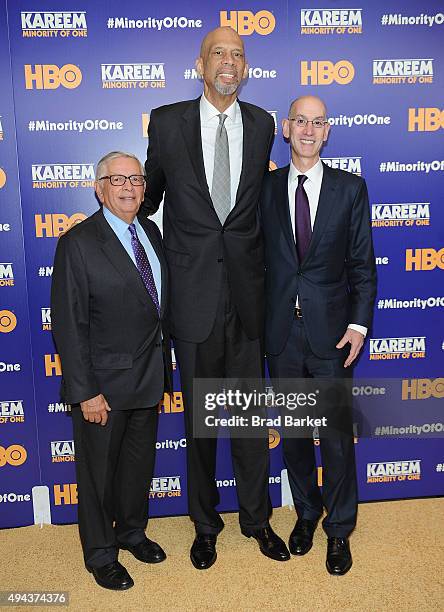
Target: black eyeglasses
point(302, 122)
point(118, 180)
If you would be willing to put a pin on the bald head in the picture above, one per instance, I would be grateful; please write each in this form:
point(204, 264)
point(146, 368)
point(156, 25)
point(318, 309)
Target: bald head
point(315, 104)
point(307, 130)
point(224, 32)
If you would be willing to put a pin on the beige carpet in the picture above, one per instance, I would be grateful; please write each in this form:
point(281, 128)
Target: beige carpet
point(397, 551)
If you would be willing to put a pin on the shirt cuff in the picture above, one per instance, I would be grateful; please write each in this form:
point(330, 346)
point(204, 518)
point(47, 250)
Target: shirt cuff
point(360, 328)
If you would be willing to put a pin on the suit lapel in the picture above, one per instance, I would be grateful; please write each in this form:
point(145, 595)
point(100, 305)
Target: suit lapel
point(192, 136)
point(284, 209)
point(249, 130)
point(154, 239)
point(119, 258)
point(325, 207)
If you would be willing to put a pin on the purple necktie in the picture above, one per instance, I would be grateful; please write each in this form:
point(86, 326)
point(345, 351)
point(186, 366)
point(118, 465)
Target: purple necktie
point(143, 265)
point(302, 219)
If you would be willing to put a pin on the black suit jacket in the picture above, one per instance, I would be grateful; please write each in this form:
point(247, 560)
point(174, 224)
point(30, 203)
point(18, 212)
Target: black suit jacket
point(197, 247)
point(336, 282)
point(105, 325)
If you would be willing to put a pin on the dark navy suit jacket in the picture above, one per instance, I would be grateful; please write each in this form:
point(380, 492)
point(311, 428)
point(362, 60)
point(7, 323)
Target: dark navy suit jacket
point(336, 282)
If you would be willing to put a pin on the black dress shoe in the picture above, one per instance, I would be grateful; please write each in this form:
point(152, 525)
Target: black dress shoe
point(339, 559)
point(203, 551)
point(146, 551)
point(270, 544)
point(301, 538)
point(112, 576)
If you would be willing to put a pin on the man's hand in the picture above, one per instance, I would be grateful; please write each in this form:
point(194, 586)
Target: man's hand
point(95, 410)
point(356, 340)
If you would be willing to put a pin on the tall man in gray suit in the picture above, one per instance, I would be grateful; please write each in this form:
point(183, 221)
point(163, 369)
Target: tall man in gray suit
point(208, 158)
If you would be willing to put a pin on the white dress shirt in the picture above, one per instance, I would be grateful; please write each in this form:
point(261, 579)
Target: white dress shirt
point(312, 188)
point(209, 122)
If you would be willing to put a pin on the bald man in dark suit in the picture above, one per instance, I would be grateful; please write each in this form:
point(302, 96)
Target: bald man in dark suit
point(320, 289)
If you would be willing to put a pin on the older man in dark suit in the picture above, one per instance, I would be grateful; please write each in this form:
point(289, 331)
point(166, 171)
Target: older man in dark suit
point(108, 305)
point(320, 289)
point(208, 158)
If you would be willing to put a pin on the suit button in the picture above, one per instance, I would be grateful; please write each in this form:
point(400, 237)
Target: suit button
point(220, 260)
point(158, 344)
point(299, 273)
point(222, 231)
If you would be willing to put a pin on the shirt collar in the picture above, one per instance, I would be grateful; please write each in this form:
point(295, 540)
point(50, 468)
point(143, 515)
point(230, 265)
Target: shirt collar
point(118, 225)
point(208, 111)
point(314, 174)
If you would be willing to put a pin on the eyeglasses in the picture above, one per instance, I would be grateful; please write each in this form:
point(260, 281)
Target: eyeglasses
point(118, 180)
point(302, 122)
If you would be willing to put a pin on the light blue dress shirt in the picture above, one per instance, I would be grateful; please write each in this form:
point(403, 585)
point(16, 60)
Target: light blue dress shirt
point(120, 228)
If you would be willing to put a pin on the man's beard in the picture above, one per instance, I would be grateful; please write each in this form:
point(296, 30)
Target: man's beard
point(225, 90)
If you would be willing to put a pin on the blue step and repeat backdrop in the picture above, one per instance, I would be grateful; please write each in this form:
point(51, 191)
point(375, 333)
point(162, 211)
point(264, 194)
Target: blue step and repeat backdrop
point(79, 83)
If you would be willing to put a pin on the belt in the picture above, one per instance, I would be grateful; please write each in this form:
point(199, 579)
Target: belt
point(297, 313)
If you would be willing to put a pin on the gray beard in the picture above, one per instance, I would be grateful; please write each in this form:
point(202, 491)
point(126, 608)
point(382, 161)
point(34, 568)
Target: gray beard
point(225, 90)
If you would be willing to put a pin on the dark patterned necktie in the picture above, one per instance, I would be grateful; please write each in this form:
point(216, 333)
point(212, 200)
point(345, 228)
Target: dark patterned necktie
point(143, 265)
point(302, 219)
